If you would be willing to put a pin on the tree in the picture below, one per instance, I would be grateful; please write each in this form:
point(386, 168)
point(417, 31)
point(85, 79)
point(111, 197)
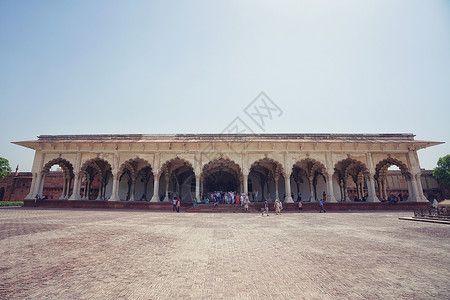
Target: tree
point(442, 171)
point(5, 169)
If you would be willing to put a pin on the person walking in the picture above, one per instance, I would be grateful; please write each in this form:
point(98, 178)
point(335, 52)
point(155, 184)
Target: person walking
point(321, 207)
point(178, 204)
point(174, 203)
point(266, 208)
point(300, 206)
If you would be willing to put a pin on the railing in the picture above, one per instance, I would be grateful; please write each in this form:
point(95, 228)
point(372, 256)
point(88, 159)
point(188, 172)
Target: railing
point(435, 213)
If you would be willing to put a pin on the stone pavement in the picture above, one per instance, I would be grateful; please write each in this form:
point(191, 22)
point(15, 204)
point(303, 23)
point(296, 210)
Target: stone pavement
point(118, 254)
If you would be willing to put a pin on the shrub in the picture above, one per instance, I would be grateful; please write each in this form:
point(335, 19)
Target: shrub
point(11, 203)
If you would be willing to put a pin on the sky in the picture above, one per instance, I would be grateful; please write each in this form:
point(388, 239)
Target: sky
point(154, 67)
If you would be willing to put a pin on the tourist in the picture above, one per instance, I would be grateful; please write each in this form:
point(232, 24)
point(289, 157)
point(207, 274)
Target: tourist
point(195, 201)
point(321, 207)
point(299, 198)
point(246, 203)
point(280, 205)
point(324, 196)
point(178, 204)
point(276, 206)
point(266, 208)
point(174, 203)
point(300, 206)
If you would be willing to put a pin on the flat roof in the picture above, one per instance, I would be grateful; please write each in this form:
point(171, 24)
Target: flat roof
point(263, 137)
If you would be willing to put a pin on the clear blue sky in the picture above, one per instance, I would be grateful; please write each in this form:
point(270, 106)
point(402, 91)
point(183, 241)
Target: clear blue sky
point(86, 67)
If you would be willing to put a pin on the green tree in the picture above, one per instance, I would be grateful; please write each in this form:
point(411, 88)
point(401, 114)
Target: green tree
point(442, 171)
point(5, 169)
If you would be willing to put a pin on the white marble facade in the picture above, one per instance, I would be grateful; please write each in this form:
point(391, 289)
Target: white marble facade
point(267, 166)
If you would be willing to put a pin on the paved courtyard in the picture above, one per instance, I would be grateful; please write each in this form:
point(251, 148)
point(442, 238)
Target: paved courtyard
point(117, 254)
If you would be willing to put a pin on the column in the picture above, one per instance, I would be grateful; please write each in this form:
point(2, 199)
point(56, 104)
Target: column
point(166, 177)
point(311, 189)
point(100, 190)
point(41, 185)
point(420, 189)
point(245, 183)
point(132, 188)
point(155, 197)
point(86, 189)
point(197, 188)
point(33, 183)
point(63, 194)
point(76, 189)
point(330, 192)
point(115, 188)
point(372, 195)
point(415, 193)
point(276, 188)
point(380, 195)
point(287, 182)
point(383, 182)
point(346, 197)
point(38, 184)
point(146, 180)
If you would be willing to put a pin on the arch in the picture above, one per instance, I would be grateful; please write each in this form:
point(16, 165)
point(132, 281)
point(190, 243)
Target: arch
point(310, 167)
point(95, 173)
point(221, 174)
point(99, 164)
point(355, 170)
point(177, 178)
point(316, 174)
point(67, 176)
point(381, 178)
point(384, 164)
point(65, 165)
point(266, 175)
point(134, 165)
point(271, 164)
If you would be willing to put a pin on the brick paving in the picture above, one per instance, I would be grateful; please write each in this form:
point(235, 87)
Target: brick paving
point(118, 254)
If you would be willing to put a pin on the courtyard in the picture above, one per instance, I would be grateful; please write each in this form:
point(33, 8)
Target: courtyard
point(125, 254)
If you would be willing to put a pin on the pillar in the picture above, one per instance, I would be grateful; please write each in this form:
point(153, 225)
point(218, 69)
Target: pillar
point(287, 182)
point(37, 184)
point(197, 188)
point(330, 193)
point(155, 197)
point(115, 188)
point(245, 184)
point(64, 188)
point(420, 189)
point(346, 197)
point(76, 189)
point(41, 184)
point(33, 183)
point(166, 177)
point(132, 188)
point(276, 188)
point(372, 195)
point(311, 189)
point(414, 196)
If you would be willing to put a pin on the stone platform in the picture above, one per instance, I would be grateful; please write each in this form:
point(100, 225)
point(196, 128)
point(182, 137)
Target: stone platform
point(136, 254)
point(253, 207)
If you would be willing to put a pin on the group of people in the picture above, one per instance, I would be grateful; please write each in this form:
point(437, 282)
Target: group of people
point(278, 207)
point(176, 203)
point(219, 197)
